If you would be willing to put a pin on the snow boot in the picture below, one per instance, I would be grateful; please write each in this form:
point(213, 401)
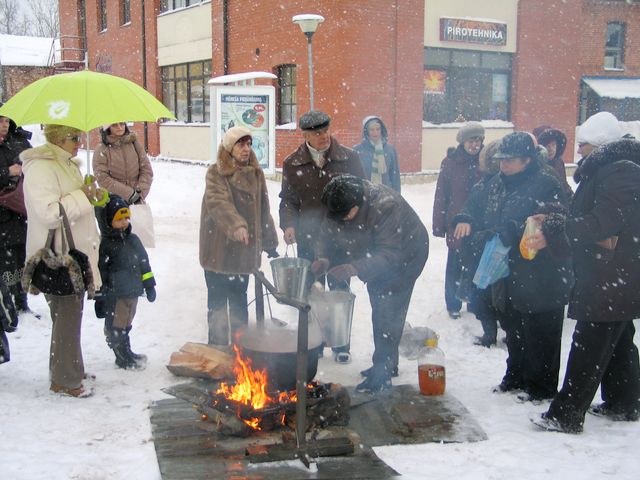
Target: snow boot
point(138, 357)
point(117, 341)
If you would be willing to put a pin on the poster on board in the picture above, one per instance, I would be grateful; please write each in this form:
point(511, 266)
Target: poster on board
point(253, 108)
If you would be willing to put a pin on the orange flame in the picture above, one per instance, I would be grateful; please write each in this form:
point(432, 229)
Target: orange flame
point(251, 389)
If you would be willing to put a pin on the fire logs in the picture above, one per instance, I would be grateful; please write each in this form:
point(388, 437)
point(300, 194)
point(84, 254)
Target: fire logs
point(327, 404)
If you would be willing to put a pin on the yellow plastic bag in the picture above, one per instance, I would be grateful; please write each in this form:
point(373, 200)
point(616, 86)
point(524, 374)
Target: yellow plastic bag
point(530, 228)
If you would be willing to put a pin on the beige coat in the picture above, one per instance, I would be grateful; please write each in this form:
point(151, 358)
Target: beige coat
point(52, 176)
point(123, 166)
point(235, 197)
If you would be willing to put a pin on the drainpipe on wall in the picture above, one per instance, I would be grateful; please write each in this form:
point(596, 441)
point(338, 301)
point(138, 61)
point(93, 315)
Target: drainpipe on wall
point(225, 36)
point(144, 72)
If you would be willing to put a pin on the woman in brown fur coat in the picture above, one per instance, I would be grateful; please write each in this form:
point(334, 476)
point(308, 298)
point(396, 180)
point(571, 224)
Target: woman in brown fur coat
point(235, 228)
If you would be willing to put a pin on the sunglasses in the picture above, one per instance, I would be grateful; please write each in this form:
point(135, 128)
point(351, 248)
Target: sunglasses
point(74, 138)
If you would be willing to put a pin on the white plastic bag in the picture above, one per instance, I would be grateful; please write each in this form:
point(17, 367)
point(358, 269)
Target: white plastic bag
point(142, 224)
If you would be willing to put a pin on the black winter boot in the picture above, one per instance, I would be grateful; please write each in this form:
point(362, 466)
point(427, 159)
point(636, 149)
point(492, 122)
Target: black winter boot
point(117, 341)
point(138, 357)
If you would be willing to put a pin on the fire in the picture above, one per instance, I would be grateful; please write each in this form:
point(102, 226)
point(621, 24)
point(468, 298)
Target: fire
point(250, 389)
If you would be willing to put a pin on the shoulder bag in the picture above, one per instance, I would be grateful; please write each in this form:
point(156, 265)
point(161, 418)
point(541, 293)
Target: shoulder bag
point(67, 273)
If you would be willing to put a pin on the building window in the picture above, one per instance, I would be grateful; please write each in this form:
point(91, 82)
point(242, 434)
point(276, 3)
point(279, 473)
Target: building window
point(614, 46)
point(466, 84)
point(125, 12)
point(102, 15)
point(185, 91)
point(286, 94)
point(168, 5)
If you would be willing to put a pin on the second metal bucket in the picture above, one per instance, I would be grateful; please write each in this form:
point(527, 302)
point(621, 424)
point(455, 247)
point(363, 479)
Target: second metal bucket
point(291, 277)
point(334, 312)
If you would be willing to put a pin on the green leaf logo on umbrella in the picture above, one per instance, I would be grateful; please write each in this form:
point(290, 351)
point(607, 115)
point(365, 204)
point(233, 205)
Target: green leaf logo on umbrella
point(59, 110)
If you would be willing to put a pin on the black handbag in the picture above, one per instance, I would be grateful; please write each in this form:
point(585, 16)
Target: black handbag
point(66, 273)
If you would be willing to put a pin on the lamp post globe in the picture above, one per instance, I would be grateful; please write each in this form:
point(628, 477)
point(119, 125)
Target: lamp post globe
point(309, 24)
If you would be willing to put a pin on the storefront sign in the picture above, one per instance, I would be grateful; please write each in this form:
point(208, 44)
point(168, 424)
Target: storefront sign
point(472, 31)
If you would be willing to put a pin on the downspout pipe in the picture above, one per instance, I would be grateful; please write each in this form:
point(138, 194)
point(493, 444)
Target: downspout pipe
point(144, 70)
point(225, 36)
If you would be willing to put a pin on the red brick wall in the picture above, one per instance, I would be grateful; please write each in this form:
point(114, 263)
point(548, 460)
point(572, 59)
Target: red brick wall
point(118, 49)
point(363, 63)
point(546, 73)
point(15, 78)
point(596, 15)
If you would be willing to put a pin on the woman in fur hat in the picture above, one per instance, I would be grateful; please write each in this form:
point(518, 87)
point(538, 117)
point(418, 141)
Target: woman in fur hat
point(52, 177)
point(235, 228)
point(121, 165)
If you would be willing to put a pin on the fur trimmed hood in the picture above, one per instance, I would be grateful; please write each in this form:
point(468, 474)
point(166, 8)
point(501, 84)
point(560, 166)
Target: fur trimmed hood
point(227, 165)
point(623, 149)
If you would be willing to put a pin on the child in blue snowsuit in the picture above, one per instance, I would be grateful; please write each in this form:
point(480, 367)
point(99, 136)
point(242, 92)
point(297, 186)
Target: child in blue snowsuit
point(126, 275)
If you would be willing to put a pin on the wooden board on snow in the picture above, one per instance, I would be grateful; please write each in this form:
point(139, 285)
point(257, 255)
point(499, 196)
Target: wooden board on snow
point(200, 360)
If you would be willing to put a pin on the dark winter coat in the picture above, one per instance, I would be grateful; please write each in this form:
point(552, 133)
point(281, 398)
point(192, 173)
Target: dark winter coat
point(365, 149)
point(13, 226)
point(123, 262)
point(458, 174)
point(386, 241)
point(606, 204)
point(302, 185)
point(502, 206)
point(235, 197)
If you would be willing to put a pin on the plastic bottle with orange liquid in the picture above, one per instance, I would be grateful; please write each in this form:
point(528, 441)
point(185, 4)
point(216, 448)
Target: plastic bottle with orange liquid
point(431, 371)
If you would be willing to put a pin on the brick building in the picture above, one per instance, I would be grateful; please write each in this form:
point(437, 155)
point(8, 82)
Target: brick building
point(419, 64)
point(23, 60)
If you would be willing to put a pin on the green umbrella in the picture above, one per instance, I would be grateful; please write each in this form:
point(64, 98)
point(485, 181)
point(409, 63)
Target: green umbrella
point(84, 100)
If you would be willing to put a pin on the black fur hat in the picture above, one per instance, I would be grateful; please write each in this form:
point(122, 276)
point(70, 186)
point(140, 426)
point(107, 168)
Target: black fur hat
point(342, 194)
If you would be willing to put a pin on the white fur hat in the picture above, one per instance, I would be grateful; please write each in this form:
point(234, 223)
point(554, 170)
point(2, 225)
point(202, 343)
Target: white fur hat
point(598, 129)
point(233, 135)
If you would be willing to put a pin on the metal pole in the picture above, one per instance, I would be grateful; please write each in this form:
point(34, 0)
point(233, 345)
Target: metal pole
point(309, 35)
point(301, 381)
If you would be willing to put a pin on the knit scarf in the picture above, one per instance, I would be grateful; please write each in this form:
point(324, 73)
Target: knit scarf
point(378, 165)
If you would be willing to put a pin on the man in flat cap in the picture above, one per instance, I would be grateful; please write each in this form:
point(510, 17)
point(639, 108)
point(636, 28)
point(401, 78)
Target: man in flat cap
point(305, 173)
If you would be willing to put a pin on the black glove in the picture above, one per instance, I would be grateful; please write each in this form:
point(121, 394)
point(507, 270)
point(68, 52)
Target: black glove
point(135, 197)
point(272, 253)
point(151, 293)
point(100, 306)
point(343, 272)
point(320, 266)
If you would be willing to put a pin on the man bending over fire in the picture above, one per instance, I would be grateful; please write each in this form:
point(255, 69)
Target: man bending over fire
point(372, 232)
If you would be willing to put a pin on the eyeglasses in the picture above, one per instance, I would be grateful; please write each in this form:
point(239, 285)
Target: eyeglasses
point(74, 138)
point(119, 124)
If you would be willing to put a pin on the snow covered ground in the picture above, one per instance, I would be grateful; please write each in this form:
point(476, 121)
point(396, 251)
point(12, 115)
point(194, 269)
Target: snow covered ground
point(108, 436)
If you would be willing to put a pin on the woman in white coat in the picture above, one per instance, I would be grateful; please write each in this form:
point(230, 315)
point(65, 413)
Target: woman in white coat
point(52, 177)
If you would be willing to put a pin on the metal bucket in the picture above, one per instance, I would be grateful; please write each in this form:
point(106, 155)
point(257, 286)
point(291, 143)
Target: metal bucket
point(291, 277)
point(334, 312)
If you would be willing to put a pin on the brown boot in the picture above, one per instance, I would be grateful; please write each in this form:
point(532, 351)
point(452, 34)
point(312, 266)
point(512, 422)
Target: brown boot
point(79, 392)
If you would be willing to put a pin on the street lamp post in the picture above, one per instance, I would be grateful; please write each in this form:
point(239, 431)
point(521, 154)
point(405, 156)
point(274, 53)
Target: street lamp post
point(308, 24)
